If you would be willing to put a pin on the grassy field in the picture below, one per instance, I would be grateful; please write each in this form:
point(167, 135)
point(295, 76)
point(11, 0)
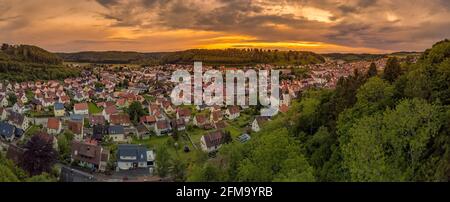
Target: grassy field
point(93, 109)
point(32, 130)
point(154, 142)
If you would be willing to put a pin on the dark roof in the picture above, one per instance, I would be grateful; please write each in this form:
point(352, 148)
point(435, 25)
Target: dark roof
point(87, 152)
point(142, 129)
point(116, 129)
point(76, 117)
point(96, 119)
point(213, 138)
point(98, 132)
point(131, 150)
point(72, 175)
point(16, 118)
point(6, 130)
point(19, 132)
point(59, 106)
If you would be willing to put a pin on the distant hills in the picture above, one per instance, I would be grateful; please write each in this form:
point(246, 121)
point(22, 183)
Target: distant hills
point(26, 62)
point(212, 57)
point(351, 57)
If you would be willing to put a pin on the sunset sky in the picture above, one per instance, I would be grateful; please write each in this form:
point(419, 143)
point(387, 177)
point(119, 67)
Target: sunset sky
point(159, 25)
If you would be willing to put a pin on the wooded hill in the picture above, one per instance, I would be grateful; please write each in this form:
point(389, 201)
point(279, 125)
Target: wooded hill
point(212, 57)
point(25, 62)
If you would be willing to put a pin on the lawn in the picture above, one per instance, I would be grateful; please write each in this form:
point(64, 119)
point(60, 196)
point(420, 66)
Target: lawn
point(154, 142)
point(32, 130)
point(93, 109)
point(41, 114)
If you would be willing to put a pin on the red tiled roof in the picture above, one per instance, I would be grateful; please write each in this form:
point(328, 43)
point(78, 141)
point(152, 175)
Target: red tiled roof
point(233, 109)
point(111, 110)
point(81, 106)
point(162, 124)
point(53, 123)
point(148, 119)
point(201, 119)
point(118, 119)
point(75, 126)
point(184, 112)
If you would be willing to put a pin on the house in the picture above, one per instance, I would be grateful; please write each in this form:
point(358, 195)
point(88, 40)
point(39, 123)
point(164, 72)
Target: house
point(19, 107)
point(54, 126)
point(212, 141)
point(7, 131)
point(76, 117)
point(89, 154)
point(232, 112)
point(3, 101)
point(99, 131)
point(59, 110)
point(22, 97)
point(64, 99)
point(108, 111)
point(120, 119)
point(154, 109)
point(79, 97)
point(179, 124)
point(117, 133)
point(18, 120)
point(47, 102)
point(200, 120)
point(81, 109)
point(130, 156)
point(149, 120)
point(142, 131)
point(96, 120)
point(122, 103)
point(162, 128)
point(257, 123)
point(216, 116)
point(69, 174)
point(167, 106)
point(184, 114)
point(76, 128)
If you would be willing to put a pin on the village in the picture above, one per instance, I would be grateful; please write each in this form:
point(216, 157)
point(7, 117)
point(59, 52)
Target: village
point(110, 142)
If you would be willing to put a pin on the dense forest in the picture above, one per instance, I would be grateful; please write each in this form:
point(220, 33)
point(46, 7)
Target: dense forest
point(352, 57)
point(25, 62)
point(377, 126)
point(213, 57)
